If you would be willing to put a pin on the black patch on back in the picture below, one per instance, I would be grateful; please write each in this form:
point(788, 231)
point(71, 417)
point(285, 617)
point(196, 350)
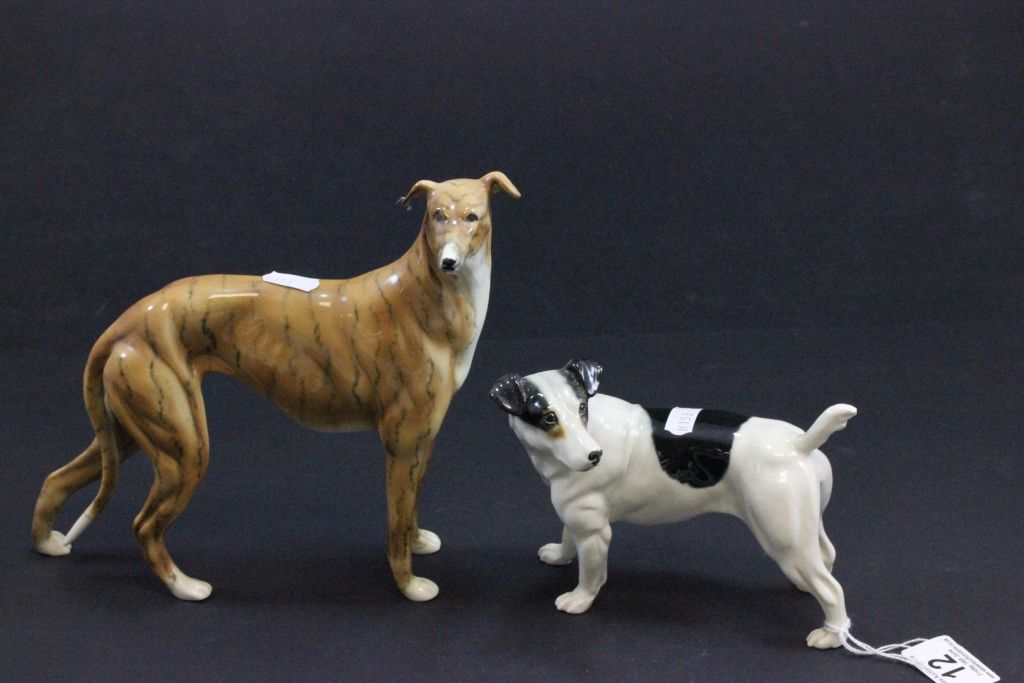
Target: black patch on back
point(701, 457)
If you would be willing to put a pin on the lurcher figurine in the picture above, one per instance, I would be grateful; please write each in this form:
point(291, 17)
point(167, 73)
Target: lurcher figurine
point(385, 350)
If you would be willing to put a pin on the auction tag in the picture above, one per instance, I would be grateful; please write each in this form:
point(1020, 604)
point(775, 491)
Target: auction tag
point(680, 420)
point(306, 284)
point(942, 659)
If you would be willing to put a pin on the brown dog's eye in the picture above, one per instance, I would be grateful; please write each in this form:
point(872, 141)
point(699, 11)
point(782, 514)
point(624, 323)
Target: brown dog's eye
point(439, 216)
point(472, 218)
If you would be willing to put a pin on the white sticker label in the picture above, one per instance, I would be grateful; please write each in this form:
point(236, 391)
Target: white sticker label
point(306, 284)
point(942, 659)
point(680, 420)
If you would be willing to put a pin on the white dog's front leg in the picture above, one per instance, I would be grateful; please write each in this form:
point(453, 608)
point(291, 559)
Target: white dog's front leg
point(592, 547)
point(558, 553)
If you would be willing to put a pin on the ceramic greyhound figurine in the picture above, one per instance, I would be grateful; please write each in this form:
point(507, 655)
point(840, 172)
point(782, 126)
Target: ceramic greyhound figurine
point(607, 460)
point(384, 350)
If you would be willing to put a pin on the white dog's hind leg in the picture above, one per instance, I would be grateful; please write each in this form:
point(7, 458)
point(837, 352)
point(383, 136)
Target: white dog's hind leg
point(786, 520)
point(593, 554)
point(828, 551)
point(804, 565)
point(809, 574)
point(558, 553)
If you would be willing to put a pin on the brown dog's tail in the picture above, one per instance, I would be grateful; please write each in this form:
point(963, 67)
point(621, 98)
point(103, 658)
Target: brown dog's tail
point(104, 423)
point(832, 420)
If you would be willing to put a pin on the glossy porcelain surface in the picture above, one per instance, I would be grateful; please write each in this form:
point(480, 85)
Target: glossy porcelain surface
point(605, 462)
point(385, 350)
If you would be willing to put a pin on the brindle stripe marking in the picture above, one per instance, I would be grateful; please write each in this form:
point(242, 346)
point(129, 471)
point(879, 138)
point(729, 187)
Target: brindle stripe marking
point(376, 356)
point(392, 346)
point(357, 369)
point(325, 357)
point(430, 382)
point(159, 393)
point(147, 334)
point(212, 345)
point(124, 378)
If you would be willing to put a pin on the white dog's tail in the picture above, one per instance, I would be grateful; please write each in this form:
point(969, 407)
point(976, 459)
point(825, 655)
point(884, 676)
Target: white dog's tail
point(832, 420)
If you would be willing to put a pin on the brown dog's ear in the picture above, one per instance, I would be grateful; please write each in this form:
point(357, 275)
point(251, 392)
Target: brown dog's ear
point(509, 393)
point(496, 180)
point(587, 372)
point(421, 187)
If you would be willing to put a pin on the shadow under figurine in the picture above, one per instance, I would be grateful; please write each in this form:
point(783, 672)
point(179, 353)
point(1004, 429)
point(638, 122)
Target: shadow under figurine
point(607, 460)
point(384, 350)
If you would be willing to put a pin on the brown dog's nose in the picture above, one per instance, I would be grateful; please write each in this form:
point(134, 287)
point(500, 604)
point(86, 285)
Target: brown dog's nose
point(448, 263)
point(595, 457)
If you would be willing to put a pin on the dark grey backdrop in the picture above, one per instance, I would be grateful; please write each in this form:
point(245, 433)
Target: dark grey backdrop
point(768, 207)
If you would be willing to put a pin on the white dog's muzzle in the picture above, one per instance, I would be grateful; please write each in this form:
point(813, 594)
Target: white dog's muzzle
point(582, 456)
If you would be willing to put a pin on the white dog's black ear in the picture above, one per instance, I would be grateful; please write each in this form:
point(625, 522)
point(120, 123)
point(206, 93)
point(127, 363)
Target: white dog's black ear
point(587, 372)
point(509, 393)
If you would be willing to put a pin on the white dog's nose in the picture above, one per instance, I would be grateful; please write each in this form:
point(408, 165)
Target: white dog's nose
point(595, 457)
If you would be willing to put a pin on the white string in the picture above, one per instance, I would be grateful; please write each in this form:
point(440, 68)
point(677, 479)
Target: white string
point(859, 647)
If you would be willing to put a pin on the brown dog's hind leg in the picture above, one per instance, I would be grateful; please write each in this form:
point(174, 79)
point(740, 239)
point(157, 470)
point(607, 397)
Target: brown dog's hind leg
point(165, 415)
point(57, 488)
point(61, 484)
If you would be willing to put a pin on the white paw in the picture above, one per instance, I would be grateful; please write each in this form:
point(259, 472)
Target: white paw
point(186, 588)
point(823, 639)
point(419, 589)
point(574, 602)
point(426, 543)
point(552, 554)
point(54, 545)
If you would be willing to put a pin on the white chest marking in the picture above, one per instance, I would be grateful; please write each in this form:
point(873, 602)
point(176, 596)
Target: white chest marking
point(475, 276)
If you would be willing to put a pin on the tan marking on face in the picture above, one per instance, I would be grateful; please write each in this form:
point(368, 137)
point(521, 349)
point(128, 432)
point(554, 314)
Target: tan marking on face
point(556, 432)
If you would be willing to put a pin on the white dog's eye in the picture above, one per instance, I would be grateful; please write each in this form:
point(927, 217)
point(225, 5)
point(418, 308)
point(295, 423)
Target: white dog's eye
point(439, 216)
point(583, 411)
point(549, 419)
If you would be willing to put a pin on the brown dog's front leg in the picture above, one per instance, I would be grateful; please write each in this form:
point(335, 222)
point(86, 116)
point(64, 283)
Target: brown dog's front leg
point(407, 457)
point(424, 542)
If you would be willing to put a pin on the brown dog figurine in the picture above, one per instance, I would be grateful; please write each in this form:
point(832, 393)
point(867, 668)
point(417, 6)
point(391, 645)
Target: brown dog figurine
point(387, 349)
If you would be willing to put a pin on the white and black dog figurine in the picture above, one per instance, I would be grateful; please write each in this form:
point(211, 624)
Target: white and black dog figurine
point(607, 460)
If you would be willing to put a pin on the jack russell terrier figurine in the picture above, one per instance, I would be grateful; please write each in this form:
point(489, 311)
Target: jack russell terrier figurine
point(386, 350)
point(607, 460)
